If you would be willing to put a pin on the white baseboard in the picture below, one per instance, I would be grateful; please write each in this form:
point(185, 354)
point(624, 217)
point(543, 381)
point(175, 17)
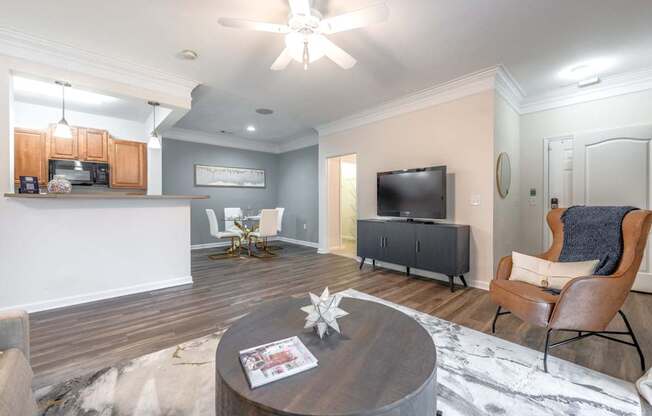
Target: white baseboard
point(478, 284)
point(210, 245)
point(298, 242)
point(106, 294)
point(277, 238)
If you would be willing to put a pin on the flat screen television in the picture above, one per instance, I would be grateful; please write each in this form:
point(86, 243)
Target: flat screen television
point(413, 193)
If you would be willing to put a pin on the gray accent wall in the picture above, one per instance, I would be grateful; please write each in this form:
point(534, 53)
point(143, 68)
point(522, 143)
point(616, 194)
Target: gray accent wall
point(291, 182)
point(298, 193)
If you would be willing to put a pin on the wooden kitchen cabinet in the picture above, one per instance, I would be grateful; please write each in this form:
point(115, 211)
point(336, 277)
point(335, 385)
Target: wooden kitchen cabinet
point(93, 145)
point(30, 157)
point(58, 148)
point(128, 164)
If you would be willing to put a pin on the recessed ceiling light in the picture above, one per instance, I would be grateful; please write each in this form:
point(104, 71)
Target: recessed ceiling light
point(251, 129)
point(188, 54)
point(265, 111)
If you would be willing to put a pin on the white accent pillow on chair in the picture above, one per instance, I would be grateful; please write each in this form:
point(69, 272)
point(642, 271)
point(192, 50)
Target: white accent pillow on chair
point(548, 274)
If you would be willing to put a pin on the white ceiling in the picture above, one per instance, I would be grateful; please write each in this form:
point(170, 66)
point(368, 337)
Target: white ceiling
point(424, 43)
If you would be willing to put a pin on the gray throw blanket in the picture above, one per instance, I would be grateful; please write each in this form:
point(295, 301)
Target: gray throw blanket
point(594, 233)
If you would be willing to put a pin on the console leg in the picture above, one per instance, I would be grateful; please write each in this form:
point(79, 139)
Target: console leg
point(373, 264)
point(463, 280)
point(407, 271)
point(362, 262)
point(451, 279)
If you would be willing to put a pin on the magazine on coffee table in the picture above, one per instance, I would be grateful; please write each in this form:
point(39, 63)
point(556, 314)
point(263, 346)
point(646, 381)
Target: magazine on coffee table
point(275, 361)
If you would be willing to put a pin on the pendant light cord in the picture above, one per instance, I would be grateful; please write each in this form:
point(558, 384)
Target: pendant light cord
point(63, 101)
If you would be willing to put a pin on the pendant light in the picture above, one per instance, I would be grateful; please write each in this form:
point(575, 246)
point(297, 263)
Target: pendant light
point(154, 139)
point(63, 130)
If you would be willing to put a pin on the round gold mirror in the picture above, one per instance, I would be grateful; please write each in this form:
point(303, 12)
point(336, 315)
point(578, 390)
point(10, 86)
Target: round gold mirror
point(503, 174)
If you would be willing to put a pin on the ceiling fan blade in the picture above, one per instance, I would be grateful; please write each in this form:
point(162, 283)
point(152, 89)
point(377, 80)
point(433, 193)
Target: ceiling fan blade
point(252, 25)
point(337, 54)
point(300, 7)
point(282, 61)
point(354, 20)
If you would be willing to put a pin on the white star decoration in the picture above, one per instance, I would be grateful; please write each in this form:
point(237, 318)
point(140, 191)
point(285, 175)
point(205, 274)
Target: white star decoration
point(323, 312)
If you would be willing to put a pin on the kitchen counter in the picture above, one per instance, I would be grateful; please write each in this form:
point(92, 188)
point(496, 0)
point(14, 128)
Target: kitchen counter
point(104, 195)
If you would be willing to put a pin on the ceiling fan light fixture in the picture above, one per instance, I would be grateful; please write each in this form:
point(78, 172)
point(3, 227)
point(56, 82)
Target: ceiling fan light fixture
point(304, 48)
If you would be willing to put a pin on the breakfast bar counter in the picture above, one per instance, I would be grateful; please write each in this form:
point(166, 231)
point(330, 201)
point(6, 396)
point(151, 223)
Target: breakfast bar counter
point(103, 195)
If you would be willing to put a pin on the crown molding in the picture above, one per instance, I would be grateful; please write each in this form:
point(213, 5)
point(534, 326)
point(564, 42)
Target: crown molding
point(297, 144)
point(19, 45)
point(217, 139)
point(235, 142)
point(507, 86)
point(611, 86)
point(453, 90)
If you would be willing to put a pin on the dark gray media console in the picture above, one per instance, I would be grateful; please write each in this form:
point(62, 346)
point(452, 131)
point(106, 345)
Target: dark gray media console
point(436, 247)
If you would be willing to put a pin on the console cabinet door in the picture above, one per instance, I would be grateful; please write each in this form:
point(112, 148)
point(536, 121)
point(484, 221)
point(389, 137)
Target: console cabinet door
point(436, 249)
point(128, 164)
point(29, 155)
point(94, 145)
point(58, 148)
point(370, 234)
point(399, 247)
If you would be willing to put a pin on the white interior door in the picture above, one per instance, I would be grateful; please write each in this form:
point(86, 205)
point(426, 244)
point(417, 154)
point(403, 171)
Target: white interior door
point(559, 184)
point(613, 168)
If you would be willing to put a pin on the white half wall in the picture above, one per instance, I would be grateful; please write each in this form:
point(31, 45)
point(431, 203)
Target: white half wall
point(62, 252)
point(458, 134)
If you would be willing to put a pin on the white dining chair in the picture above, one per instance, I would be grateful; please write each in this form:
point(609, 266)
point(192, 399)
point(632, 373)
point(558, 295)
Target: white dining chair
point(234, 250)
point(268, 227)
point(230, 217)
point(279, 228)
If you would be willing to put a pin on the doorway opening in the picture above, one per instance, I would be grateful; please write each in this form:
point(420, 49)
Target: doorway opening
point(342, 205)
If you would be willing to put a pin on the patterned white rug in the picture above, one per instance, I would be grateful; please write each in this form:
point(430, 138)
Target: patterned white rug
point(478, 374)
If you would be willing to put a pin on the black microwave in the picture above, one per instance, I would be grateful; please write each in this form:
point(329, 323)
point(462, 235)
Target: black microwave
point(80, 173)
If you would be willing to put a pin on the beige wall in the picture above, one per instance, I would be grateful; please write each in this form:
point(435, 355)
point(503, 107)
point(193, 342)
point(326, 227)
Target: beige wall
point(507, 210)
point(614, 112)
point(458, 134)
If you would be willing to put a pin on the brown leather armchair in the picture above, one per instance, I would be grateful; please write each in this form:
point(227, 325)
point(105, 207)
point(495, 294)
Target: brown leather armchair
point(586, 305)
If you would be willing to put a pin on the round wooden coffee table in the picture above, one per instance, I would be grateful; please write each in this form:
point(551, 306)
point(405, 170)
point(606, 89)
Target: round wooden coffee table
point(383, 363)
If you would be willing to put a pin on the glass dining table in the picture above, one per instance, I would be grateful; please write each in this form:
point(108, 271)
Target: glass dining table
point(245, 225)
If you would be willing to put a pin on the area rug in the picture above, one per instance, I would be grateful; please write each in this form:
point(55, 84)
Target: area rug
point(478, 375)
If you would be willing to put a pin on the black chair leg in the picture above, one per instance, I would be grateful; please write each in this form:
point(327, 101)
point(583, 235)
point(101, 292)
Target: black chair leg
point(451, 281)
point(493, 324)
point(631, 333)
point(362, 262)
point(463, 280)
point(545, 351)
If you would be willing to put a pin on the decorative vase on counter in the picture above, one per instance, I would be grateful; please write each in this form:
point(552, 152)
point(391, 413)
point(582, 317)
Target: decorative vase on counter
point(59, 185)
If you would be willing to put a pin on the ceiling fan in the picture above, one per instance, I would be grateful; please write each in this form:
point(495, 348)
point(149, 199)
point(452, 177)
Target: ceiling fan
point(305, 39)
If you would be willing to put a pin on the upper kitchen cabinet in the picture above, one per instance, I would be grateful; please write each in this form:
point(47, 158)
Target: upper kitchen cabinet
point(93, 145)
point(128, 161)
point(30, 155)
point(60, 148)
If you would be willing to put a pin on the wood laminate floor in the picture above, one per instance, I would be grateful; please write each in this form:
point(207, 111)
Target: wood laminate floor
point(78, 339)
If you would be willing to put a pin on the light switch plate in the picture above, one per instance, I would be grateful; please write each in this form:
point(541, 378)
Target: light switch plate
point(475, 200)
point(533, 200)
